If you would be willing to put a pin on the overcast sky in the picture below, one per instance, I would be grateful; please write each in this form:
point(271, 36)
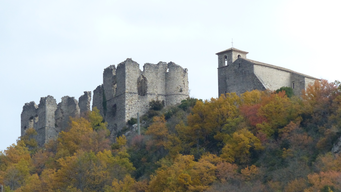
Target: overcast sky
point(61, 47)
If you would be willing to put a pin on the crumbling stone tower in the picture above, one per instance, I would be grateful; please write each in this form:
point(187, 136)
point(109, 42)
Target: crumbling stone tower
point(126, 90)
point(48, 118)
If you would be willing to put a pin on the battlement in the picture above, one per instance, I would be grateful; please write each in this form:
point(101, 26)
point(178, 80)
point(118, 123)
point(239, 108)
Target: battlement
point(126, 91)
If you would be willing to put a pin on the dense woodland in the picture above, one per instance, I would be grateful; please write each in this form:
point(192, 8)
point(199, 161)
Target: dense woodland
point(258, 141)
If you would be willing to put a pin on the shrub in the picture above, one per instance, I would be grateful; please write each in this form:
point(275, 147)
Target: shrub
point(288, 91)
point(132, 121)
point(156, 105)
point(188, 103)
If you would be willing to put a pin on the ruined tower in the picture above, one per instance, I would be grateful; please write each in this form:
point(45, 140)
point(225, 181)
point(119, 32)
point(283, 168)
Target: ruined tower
point(48, 118)
point(126, 90)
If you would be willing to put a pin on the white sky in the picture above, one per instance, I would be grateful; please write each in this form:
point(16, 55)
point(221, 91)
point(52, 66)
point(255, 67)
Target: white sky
point(61, 47)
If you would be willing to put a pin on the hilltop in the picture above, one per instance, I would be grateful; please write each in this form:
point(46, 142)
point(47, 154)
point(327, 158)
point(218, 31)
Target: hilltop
point(255, 141)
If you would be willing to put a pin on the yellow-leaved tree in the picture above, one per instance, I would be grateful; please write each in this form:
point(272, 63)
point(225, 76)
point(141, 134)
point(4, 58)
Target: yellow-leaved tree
point(238, 146)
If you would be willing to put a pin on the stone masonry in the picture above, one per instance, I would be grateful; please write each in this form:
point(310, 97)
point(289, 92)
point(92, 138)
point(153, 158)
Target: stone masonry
point(48, 118)
point(238, 74)
point(126, 91)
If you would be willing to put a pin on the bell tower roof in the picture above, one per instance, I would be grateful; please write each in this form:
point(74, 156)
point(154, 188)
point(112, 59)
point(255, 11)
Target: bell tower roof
point(232, 49)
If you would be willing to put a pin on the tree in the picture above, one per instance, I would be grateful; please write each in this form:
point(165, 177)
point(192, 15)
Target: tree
point(184, 175)
point(238, 146)
point(158, 131)
point(96, 120)
point(209, 122)
point(324, 181)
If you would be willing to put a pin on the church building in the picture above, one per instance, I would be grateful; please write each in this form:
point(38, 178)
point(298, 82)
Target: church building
point(238, 74)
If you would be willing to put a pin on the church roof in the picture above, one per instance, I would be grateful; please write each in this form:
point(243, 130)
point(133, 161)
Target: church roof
point(232, 49)
point(278, 68)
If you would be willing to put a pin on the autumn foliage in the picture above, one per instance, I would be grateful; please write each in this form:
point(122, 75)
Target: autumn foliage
point(256, 141)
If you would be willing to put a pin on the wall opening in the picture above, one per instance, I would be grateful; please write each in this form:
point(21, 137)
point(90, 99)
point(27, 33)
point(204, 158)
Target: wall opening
point(293, 85)
point(114, 85)
point(142, 86)
point(36, 118)
point(114, 109)
point(238, 56)
point(225, 60)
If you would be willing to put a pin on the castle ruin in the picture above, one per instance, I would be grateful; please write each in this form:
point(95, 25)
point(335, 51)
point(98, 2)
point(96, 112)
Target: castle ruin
point(126, 91)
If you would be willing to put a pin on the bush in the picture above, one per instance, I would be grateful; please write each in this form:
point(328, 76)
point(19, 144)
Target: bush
point(132, 121)
point(188, 103)
point(171, 111)
point(156, 105)
point(152, 113)
point(288, 91)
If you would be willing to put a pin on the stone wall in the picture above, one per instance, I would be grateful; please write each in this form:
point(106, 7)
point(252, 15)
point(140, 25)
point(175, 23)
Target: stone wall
point(246, 75)
point(67, 108)
point(84, 102)
point(272, 78)
point(238, 77)
point(48, 118)
point(127, 90)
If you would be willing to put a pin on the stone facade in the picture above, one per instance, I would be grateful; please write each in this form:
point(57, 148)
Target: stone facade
point(238, 74)
point(126, 91)
point(48, 118)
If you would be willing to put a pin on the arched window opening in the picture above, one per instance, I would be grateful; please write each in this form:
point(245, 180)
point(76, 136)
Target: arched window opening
point(225, 60)
point(238, 56)
point(142, 86)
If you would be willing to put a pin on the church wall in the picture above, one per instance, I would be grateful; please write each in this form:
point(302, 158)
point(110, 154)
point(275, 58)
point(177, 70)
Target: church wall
point(238, 77)
point(297, 83)
point(272, 78)
point(308, 81)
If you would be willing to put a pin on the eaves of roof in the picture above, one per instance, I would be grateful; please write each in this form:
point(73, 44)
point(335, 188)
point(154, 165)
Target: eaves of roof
point(232, 49)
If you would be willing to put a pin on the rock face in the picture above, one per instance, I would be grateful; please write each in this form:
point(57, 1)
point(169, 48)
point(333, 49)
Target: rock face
point(126, 91)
